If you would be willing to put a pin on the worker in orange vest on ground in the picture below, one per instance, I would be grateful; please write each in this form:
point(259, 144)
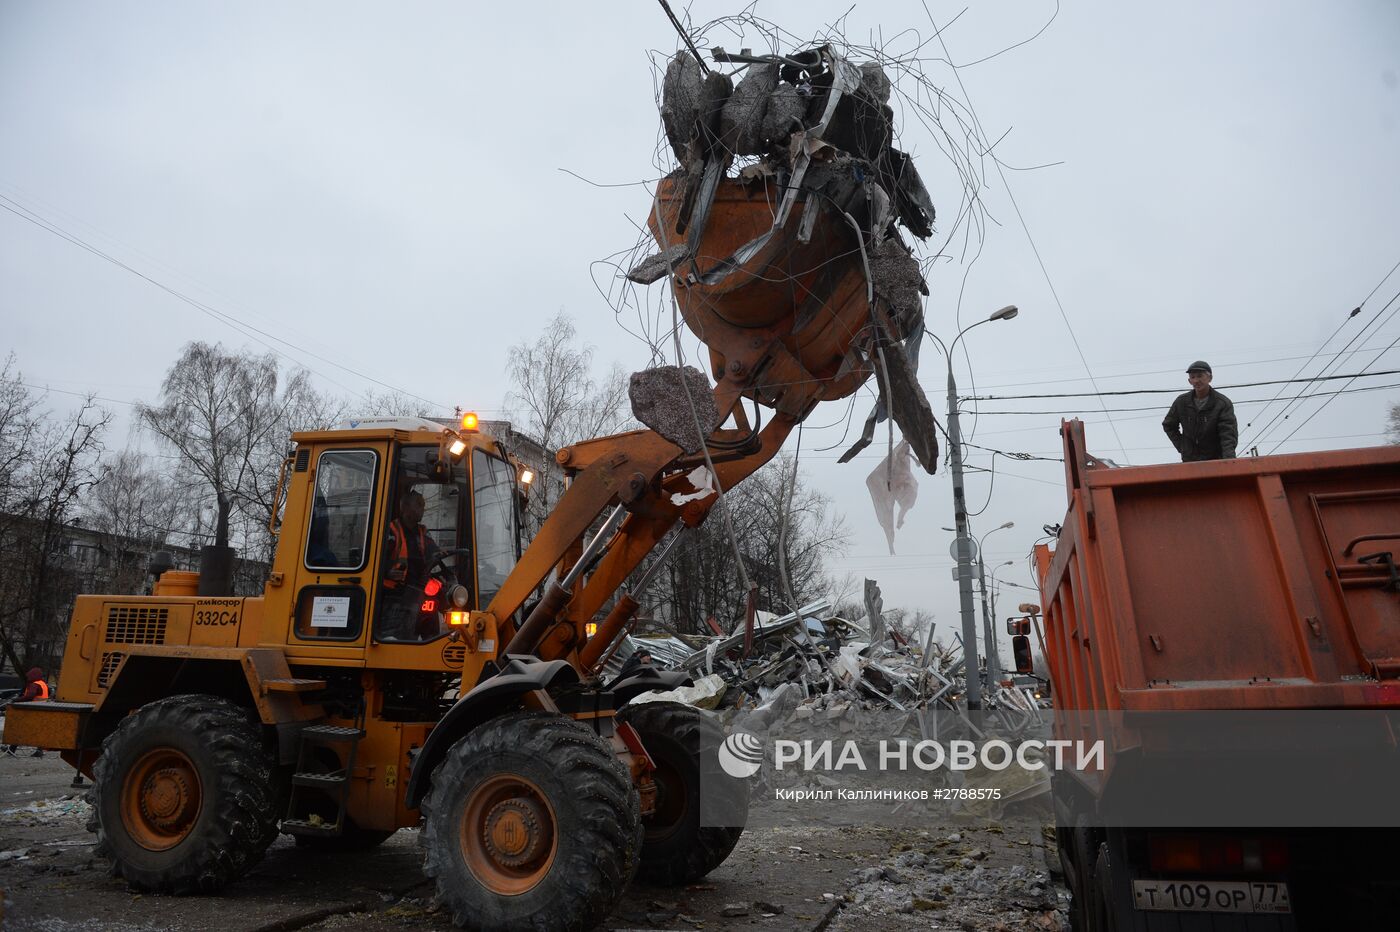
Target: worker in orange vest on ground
point(36, 689)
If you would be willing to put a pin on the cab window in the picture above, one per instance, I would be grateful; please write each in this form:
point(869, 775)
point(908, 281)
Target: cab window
point(339, 526)
point(493, 483)
point(424, 551)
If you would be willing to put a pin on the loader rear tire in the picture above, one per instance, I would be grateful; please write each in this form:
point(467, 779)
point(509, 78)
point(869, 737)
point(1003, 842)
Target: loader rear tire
point(183, 796)
point(676, 848)
point(531, 822)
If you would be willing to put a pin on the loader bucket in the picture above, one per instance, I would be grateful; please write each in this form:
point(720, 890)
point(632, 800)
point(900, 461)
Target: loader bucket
point(750, 283)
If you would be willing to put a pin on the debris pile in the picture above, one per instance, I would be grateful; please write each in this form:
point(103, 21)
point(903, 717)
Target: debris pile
point(818, 661)
point(815, 672)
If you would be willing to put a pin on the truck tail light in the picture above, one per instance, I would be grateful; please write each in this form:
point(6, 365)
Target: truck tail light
point(1216, 854)
point(1275, 854)
point(457, 618)
point(1174, 853)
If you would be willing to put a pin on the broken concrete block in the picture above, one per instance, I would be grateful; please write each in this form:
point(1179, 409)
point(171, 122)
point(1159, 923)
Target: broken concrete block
point(733, 910)
point(715, 92)
point(785, 113)
point(660, 402)
point(874, 82)
point(658, 265)
point(741, 120)
point(896, 277)
point(680, 104)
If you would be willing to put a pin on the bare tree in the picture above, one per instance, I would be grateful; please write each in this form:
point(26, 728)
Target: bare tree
point(786, 530)
point(135, 510)
point(555, 399)
point(19, 429)
point(48, 464)
point(386, 404)
point(302, 408)
point(1394, 429)
point(228, 416)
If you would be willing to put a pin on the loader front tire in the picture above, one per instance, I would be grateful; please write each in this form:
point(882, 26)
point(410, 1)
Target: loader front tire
point(676, 848)
point(530, 823)
point(183, 796)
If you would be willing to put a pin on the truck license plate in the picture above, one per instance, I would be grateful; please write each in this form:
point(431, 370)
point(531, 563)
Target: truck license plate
point(1212, 896)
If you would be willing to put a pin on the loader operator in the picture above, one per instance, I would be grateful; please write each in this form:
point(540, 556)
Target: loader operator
point(1201, 423)
point(411, 551)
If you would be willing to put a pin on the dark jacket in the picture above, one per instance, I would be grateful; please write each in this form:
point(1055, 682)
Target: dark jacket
point(1208, 434)
point(632, 664)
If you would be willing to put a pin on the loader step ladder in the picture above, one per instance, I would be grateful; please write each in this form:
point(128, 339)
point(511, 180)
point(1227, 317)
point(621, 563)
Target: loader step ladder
point(311, 774)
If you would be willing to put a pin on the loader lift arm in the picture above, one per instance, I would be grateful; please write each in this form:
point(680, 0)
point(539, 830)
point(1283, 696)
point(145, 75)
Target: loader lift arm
point(641, 471)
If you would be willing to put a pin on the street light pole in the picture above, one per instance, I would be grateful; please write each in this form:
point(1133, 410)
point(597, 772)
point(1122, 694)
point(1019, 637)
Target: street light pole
point(964, 546)
point(989, 640)
point(994, 595)
point(989, 634)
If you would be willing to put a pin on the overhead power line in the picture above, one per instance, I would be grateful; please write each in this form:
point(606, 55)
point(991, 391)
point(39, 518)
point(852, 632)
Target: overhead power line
point(1304, 365)
point(957, 73)
point(1318, 411)
point(1237, 403)
point(1286, 412)
point(243, 327)
point(1176, 390)
point(1210, 354)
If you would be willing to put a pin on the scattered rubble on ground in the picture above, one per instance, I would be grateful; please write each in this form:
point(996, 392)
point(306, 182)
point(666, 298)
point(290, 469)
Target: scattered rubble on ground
point(952, 883)
point(64, 809)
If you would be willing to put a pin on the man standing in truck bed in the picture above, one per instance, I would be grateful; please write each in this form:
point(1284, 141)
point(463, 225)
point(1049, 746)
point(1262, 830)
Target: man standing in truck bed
point(1201, 422)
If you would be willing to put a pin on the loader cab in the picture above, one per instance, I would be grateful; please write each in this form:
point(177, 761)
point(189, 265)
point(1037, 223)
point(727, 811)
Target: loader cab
point(402, 528)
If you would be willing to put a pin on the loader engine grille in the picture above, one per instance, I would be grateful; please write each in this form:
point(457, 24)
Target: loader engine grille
point(109, 666)
point(130, 624)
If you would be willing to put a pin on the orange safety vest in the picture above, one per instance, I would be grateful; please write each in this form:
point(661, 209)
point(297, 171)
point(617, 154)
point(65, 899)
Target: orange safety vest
point(43, 691)
point(401, 551)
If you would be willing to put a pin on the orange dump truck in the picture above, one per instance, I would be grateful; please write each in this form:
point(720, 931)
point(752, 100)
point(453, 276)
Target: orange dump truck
point(1231, 631)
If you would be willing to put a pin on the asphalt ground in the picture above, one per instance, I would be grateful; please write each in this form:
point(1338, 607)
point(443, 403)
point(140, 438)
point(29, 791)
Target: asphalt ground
point(788, 877)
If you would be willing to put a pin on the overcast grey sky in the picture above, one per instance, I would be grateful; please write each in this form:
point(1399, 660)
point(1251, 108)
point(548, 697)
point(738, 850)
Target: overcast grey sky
point(380, 185)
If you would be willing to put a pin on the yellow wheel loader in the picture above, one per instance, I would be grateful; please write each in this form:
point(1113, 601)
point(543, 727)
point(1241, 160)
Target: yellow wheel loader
point(361, 693)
